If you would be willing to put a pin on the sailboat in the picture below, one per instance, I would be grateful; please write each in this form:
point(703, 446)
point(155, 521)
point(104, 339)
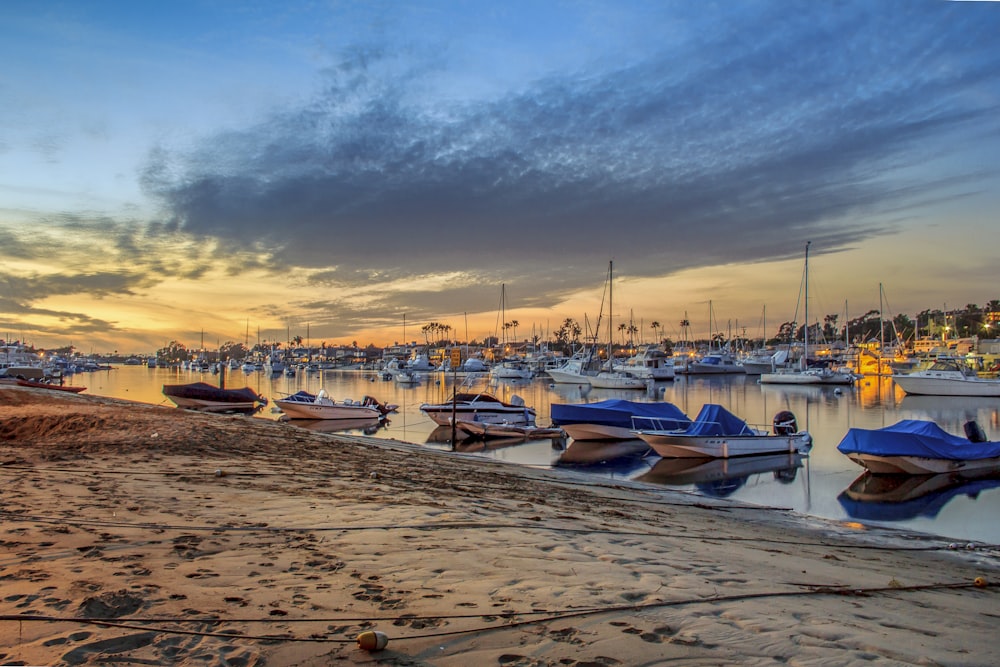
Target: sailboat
point(608, 378)
point(716, 362)
point(509, 368)
point(804, 374)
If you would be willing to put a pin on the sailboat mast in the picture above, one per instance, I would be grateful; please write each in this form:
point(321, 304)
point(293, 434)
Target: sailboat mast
point(805, 337)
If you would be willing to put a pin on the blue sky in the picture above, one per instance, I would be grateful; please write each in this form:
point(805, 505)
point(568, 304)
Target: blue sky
point(172, 167)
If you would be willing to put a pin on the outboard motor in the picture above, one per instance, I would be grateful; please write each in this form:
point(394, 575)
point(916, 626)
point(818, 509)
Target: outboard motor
point(974, 432)
point(784, 423)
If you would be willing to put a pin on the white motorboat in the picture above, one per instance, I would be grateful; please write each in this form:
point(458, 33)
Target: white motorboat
point(304, 405)
point(512, 369)
point(649, 363)
point(617, 380)
point(718, 433)
point(480, 407)
point(572, 371)
point(947, 377)
point(812, 376)
point(714, 364)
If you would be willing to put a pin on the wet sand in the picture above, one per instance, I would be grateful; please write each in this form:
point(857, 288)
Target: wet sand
point(137, 534)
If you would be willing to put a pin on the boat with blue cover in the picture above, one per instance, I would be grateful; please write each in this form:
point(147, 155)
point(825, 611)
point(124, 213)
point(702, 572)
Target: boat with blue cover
point(718, 433)
point(613, 419)
point(920, 447)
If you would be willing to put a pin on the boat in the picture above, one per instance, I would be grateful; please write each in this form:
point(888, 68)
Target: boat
point(512, 369)
point(721, 477)
point(303, 405)
point(608, 377)
point(572, 371)
point(947, 376)
point(488, 430)
point(920, 447)
point(40, 384)
point(715, 363)
point(613, 419)
point(718, 433)
point(806, 374)
point(203, 396)
point(649, 363)
point(762, 362)
point(904, 497)
point(406, 376)
point(481, 407)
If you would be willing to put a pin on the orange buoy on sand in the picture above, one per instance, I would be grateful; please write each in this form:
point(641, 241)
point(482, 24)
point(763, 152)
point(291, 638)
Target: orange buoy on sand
point(373, 640)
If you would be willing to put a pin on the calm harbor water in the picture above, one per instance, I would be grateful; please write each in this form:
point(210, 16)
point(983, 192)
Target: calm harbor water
point(824, 484)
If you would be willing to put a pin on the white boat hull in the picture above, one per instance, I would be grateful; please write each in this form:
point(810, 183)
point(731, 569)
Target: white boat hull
point(916, 465)
point(301, 410)
point(672, 445)
point(789, 378)
point(567, 377)
point(922, 385)
point(616, 381)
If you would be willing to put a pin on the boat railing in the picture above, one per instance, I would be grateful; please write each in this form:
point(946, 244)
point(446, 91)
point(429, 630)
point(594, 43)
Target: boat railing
point(643, 423)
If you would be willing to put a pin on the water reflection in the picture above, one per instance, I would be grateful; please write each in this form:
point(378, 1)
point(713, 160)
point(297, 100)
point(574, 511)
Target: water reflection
point(590, 452)
point(901, 497)
point(723, 477)
point(873, 403)
point(363, 426)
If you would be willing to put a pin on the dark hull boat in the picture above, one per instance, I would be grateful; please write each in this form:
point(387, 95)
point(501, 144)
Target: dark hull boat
point(203, 396)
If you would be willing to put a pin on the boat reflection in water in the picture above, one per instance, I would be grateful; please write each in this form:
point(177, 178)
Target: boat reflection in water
point(722, 477)
point(591, 452)
point(364, 426)
point(608, 458)
point(902, 497)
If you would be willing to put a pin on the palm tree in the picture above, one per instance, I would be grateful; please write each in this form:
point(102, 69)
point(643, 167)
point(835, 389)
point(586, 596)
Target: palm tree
point(655, 326)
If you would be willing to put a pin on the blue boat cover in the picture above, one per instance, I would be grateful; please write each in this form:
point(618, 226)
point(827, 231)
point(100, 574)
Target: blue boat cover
point(716, 420)
point(915, 437)
point(618, 412)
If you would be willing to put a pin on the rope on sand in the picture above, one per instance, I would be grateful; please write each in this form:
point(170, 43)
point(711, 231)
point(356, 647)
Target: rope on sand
point(549, 615)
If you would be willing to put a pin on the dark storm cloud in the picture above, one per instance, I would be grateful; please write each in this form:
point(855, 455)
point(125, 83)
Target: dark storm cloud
point(791, 123)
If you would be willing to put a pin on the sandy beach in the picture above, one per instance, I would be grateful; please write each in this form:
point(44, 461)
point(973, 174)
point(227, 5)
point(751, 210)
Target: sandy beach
point(138, 534)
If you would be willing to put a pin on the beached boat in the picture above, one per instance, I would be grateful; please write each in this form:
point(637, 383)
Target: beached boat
point(919, 447)
point(613, 419)
point(303, 405)
point(718, 433)
point(947, 377)
point(489, 430)
point(203, 396)
point(38, 384)
point(481, 407)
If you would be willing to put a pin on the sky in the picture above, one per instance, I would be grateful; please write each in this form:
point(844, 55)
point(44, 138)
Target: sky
point(352, 171)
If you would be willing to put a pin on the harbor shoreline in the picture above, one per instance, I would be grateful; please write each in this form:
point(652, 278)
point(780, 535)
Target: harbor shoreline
point(161, 536)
